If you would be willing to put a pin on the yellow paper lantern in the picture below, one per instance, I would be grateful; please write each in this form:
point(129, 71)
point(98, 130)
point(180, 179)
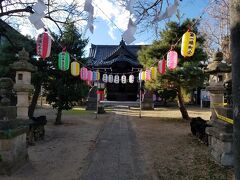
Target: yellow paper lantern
point(98, 76)
point(188, 44)
point(143, 75)
point(75, 68)
point(153, 73)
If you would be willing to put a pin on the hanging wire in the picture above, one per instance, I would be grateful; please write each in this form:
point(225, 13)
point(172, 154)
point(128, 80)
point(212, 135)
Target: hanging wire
point(121, 31)
point(195, 22)
point(138, 69)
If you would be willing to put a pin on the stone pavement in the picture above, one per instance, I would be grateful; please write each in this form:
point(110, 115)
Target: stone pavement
point(116, 155)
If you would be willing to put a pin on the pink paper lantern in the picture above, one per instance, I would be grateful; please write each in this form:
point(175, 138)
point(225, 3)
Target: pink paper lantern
point(172, 59)
point(162, 66)
point(148, 75)
point(84, 73)
point(44, 44)
point(90, 76)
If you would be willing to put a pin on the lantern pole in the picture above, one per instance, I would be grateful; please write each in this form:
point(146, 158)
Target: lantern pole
point(140, 96)
point(97, 99)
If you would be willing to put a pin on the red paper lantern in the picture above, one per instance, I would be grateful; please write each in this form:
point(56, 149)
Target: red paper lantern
point(162, 66)
point(172, 59)
point(44, 44)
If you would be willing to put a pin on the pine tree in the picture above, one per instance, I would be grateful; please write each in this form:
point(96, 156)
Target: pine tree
point(63, 90)
point(187, 75)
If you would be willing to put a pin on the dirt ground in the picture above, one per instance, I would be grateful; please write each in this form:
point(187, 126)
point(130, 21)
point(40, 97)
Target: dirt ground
point(172, 151)
point(61, 155)
point(169, 148)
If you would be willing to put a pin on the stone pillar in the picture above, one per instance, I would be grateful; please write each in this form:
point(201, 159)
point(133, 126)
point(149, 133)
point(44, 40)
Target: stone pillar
point(22, 105)
point(216, 99)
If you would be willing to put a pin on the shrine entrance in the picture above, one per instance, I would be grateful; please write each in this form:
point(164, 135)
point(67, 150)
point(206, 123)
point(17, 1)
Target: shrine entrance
point(120, 91)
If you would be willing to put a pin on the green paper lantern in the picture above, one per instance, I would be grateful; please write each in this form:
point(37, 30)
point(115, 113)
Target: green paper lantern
point(63, 61)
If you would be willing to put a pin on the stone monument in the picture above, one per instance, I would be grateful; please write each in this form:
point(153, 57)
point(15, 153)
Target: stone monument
point(147, 103)
point(91, 103)
point(93, 96)
point(220, 134)
point(13, 146)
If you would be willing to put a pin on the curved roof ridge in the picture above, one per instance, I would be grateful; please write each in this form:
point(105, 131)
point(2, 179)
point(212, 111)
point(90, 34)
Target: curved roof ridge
point(118, 52)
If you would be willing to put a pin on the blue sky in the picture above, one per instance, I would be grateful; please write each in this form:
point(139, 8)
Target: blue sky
point(106, 33)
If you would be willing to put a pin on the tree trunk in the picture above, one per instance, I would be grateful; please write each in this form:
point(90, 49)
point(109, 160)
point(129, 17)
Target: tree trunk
point(59, 117)
point(34, 100)
point(235, 54)
point(181, 106)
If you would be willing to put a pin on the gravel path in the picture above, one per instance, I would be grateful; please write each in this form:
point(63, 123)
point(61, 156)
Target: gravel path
point(117, 155)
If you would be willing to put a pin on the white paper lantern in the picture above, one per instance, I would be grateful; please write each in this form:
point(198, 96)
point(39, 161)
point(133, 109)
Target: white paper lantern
point(105, 78)
point(124, 79)
point(110, 78)
point(139, 76)
point(131, 78)
point(116, 79)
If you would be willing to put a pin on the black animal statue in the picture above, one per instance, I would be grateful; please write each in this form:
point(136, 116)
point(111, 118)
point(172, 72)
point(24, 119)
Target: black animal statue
point(36, 129)
point(198, 127)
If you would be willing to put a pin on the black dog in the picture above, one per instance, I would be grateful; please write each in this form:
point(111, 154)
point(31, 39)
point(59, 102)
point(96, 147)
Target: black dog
point(198, 127)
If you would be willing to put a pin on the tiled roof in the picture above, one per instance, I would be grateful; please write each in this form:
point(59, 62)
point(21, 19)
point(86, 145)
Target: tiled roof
point(106, 55)
point(11, 34)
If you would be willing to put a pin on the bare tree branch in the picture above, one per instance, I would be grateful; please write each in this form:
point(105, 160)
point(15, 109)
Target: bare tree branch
point(57, 11)
point(216, 28)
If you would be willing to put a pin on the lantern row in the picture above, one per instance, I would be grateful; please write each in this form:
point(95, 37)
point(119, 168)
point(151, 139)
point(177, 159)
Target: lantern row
point(187, 50)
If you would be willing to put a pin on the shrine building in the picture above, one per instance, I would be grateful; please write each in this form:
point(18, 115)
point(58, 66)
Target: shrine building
point(117, 59)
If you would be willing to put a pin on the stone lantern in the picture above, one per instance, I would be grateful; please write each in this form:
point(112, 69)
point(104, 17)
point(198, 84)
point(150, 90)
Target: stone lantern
point(23, 85)
point(218, 72)
point(220, 134)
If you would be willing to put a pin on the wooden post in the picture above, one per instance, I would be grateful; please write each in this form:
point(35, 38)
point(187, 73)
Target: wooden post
point(235, 55)
point(140, 96)
point(97, 99)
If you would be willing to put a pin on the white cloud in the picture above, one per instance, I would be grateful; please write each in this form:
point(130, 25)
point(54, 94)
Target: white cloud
point(141, 43)
point(110, 13)
point(107, 10)
point(111, 32)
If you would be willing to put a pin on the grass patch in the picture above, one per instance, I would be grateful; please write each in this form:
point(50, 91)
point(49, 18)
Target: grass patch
point(77, 111)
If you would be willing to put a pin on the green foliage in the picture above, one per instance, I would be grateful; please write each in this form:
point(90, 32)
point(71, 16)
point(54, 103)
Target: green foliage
point(187, 75)
point(63, 90)
point(77, 111)
point(12, 44)
point(167, 94)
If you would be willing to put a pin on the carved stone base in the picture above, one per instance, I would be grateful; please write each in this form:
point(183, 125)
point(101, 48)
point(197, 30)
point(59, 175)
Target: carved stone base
point(91, 104)
point(147, 106)
point(221, 145)
point(13, 150)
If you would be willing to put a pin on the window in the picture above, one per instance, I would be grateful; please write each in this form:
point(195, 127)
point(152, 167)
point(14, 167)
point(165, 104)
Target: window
point(20, 76)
